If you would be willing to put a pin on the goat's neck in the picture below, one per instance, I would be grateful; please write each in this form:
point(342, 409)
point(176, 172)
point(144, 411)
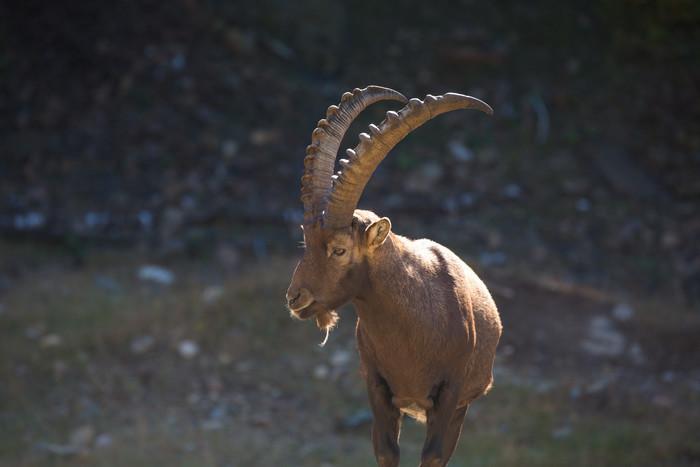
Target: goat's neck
point(382, 299)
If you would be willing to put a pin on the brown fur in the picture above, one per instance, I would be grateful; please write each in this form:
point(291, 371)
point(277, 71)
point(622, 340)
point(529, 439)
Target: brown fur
point(427, 327)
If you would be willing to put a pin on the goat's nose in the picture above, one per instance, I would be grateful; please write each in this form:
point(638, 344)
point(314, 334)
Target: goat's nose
point(292, 296)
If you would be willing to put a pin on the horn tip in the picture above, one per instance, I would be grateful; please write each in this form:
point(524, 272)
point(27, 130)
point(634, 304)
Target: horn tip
point(471, 102)
point(395, 95)
point(487, 109)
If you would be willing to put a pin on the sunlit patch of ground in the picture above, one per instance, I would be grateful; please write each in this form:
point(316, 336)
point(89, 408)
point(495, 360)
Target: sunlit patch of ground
point(99, 367)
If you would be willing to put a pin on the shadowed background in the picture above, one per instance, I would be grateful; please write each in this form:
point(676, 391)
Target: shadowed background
point(150, 159)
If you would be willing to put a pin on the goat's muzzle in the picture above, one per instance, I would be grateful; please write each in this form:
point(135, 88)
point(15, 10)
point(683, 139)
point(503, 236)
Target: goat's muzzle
point(299, 303)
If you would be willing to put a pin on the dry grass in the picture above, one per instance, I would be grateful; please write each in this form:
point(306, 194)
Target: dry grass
point(250, 396)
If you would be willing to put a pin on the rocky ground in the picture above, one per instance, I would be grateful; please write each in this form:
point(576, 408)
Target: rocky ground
point(124, 361)
point(150, 157)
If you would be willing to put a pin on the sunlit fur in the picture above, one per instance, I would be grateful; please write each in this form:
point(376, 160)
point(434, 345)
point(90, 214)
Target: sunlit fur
point(427, 327)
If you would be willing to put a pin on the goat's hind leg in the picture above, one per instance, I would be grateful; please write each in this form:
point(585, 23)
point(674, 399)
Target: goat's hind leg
point(387, 422)
point(449, 443)
point(441, 438)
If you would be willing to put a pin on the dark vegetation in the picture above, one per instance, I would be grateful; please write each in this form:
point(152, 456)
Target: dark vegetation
point(173, 133)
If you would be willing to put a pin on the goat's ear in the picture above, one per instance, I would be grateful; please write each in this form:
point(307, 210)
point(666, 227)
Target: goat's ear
point(377, 232)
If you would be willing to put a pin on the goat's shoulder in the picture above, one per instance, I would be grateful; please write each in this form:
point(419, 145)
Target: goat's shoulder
point(438, 260)
point(435, 257)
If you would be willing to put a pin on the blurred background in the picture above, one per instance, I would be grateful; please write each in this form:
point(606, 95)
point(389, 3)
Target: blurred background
point(150, 157)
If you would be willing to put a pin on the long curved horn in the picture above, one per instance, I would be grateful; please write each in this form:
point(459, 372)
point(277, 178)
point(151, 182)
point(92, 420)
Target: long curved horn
point(356, 171)
point(319, 162)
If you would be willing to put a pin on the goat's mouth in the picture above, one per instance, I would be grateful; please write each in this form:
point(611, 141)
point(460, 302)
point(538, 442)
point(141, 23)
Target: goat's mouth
point(308, 311)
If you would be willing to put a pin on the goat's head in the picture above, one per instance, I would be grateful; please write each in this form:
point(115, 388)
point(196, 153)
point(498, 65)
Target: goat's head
point(339, 239)
point(334, 267)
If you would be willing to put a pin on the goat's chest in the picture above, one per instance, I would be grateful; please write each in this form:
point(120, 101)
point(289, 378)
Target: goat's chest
point(411, 364)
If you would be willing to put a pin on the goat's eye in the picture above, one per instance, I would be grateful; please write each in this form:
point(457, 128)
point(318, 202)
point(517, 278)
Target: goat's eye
point(338, 251)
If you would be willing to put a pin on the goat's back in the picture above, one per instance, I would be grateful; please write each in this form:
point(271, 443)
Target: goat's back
point(473, 295)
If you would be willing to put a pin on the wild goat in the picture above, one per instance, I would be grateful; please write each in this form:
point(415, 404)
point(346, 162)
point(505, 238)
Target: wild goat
point(427, 327)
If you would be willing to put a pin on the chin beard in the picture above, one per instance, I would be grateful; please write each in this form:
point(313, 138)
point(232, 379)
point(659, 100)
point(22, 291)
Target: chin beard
point(326, 320)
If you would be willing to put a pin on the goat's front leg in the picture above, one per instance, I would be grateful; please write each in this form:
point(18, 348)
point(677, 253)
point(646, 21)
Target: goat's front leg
point(440, 438)
point(387, 422)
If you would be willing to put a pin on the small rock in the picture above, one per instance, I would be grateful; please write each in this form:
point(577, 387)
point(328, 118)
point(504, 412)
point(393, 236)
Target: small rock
point(218, 412)
point(264, 136)
point(171, 220)
point(51, 340)
point(34, 331)
point(393, 200)
point(107, 283)
point(636, 354)
point(93, 219)
point(492, 258)
point(575, 186)
point(260, 248)
point(459, 151)
point(82, 437)
point(214, 387)
point(145, 219)
point(280, 49)
point(188, 349)
point(467, 200)
point(625, 174)
point(512, 191)
point(178, 62)
point(103, 440)
point(506, 350)
point(356, 420)
point(450, 205)
point(229, 148)
point(424, 179)
point(573, 66)
point(157, 274)
point(212, 425)
point(583, 205)
point(340, 358)
point(59, 368)
point(539, 253)
point(142, 344)
point(543, 387)
point(562, 432)
point(194, 398)
point(623, 312)
point(321, 372)
point(575, 392)
point(487, 155)
point(212, 294)
point(228, 256)
point(244, 366)
point(261, 420)
point(662, 400)
point(293, 216)
point(669, 240)
point(29, 221)
point(57, 449)
point(598, 385)
point(603, 339)
point(241, 42)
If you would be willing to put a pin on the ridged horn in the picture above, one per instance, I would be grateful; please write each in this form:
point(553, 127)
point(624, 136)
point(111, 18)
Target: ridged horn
point(320, 157)
point(374, 147)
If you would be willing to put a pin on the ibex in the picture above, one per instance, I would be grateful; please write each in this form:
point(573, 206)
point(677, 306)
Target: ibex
point(427, 327)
